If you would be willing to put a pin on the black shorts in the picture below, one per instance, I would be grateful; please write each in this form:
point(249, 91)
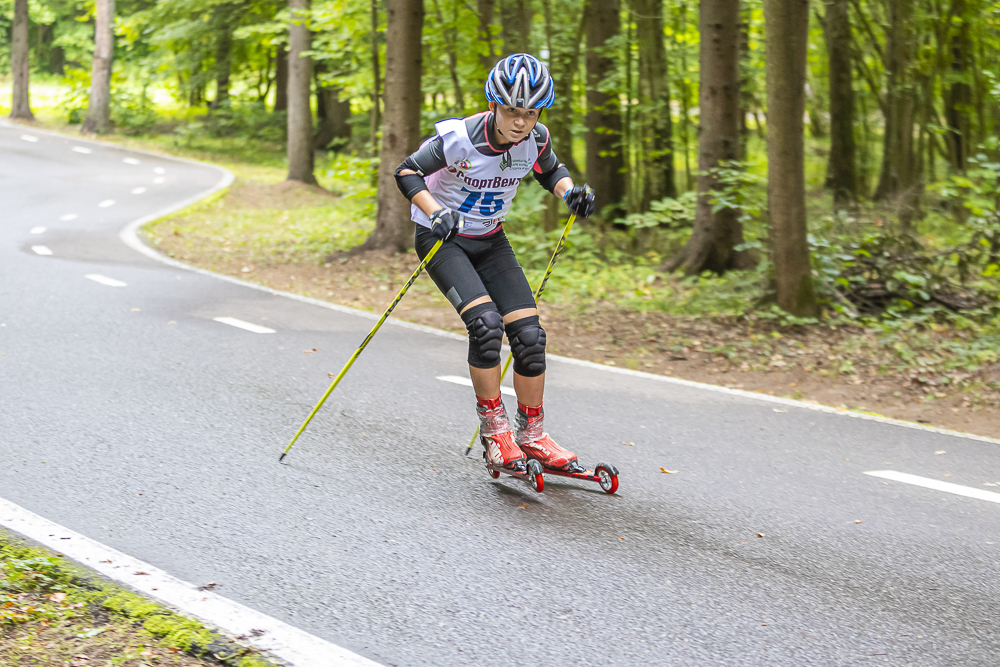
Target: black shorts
point(468, 267)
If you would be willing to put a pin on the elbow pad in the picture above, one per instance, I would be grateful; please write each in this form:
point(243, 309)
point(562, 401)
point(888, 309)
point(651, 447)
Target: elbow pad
point(409, 184)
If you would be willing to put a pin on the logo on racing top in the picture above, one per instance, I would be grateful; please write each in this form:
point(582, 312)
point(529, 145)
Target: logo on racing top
point(508, 162)
point(463, 164)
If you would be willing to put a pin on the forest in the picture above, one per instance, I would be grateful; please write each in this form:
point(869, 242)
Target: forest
point(799, 163)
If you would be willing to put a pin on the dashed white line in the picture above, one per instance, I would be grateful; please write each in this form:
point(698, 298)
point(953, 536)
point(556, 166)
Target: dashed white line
point(466, 382)
point(68, 217)
point(38, 230)
point(41, 250)
point(106, 203)
point(81, 149)
point(928, 483)
point(138, 191)
point(130, 160)
point(159, 170)
point(28, 137)
point(104, 280)
point(247, 326)
point(291, 645)
point(159, 179)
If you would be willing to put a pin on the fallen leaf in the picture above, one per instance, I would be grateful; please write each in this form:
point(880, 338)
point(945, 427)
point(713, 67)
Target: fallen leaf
point(793, 384)
point(780, 410)
point(141, 573)
point(759, 535)
point(58, 597)
point(621, 538)
point(947, 474)
point(135, 310)
point(524, 506)
point(309, 351)
point(669, 472)
point(940, 452)
point(858, 521)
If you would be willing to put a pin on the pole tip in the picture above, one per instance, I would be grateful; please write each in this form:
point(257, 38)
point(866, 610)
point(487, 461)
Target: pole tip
point(282, 457)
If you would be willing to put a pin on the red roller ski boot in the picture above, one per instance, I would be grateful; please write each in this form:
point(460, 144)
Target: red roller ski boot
point(530, 436)
point(501, 454)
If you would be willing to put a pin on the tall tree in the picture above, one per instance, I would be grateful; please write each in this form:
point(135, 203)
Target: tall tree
point(401, 128)
point(376, 114)
point(656, 130)
point(787, 26)
point(897, 178)
point(281, 78)
point(300, 134)
point(515, 24)
point(605, 156)
point(223, 53)
point(20, 63)
point(98, 118)
point(958, 96)
point(716, 233)
point(841, 173)
point(487, 57)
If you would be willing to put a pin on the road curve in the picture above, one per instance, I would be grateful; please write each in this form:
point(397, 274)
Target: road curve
point(133, 412)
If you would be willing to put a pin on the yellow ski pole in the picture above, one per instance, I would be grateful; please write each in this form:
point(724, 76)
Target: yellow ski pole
point(371, 334)
point(538, 294)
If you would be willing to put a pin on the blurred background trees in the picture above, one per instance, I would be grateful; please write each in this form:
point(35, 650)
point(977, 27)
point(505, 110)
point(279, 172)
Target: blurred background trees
point(667, 107)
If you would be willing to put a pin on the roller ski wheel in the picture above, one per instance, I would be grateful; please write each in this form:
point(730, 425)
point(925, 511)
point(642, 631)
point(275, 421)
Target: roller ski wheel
point(605, 474)
point(533, 474)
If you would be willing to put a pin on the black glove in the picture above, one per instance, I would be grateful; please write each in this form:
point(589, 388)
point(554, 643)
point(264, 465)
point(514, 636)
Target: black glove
point(580, 200)
point(444, 221)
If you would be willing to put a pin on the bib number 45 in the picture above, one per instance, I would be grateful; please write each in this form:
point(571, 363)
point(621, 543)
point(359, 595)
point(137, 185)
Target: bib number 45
point(489, 205)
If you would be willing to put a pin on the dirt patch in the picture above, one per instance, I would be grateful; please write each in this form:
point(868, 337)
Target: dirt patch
point(280, 196)
point(811, 364)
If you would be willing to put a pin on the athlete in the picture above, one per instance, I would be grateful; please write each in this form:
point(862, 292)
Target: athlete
point(471, 169)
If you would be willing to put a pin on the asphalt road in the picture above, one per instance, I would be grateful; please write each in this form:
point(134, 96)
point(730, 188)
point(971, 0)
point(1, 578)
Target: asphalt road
point(129, 414)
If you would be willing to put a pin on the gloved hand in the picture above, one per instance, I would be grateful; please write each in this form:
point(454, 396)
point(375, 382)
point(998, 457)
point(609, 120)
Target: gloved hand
point(580, 200)
point(444, 222)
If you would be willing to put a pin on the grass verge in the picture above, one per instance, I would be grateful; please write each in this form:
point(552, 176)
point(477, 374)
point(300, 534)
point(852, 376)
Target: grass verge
point(53, 612)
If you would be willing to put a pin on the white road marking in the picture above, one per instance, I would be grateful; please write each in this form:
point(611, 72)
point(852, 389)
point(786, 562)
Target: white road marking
point(28, 137)
point(130, 160)
point(81, 149)
point(138, 191)
point(240, 324)
point(159, 170)
point(106, 203)
point(68, 217)
point(38, 230)
point(159, 179)
point(466, 382)
point(41, 250)
point(104, 280)
point(284, 641)
point(928, 483)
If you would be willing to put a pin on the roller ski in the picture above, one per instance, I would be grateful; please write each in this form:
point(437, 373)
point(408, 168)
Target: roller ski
point(531, 438)
point(501, 454)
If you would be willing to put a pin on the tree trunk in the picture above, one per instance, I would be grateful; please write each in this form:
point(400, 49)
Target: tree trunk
point(20, 63)
point(787, 25)
point(487, 58)
point(281, 79)
point(333, 115)
point(716, 234)
point(896, 179)
point(841, 174)
point(98, 118)
point(605, 159)
point(654, 101)
point(300, 135)
point(223, 56)
point(376, 114)
point(401, 130)
point(515, 24)
point(958, 96)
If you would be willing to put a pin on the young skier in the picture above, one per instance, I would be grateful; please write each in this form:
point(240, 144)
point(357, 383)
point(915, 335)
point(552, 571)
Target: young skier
point(471, 169)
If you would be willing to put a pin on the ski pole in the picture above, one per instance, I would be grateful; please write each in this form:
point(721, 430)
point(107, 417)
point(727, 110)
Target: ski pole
point(371, 334)
point(538, 294)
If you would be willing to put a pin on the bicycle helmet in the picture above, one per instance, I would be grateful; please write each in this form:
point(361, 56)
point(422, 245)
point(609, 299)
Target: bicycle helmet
point(520, 80)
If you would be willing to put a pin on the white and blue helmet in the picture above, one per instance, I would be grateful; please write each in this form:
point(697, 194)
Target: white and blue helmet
point(520, 80)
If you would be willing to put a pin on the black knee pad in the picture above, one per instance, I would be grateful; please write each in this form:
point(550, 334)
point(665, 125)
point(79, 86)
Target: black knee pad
point(485, 334)
point(527, 342)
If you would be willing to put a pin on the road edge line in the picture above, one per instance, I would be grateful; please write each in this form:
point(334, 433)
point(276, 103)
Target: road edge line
point(286, 642)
